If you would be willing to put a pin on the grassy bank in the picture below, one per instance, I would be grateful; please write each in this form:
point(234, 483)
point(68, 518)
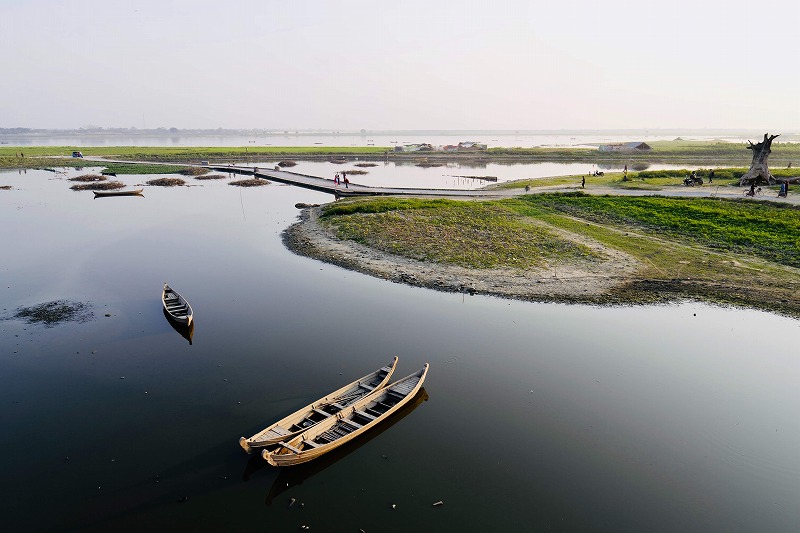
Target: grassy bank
point(647, 179)
point(735, 252)
point(696, 152)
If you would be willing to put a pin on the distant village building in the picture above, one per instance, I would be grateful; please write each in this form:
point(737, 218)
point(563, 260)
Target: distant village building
point(421, 147)
point(465, 146)
point(625, 147)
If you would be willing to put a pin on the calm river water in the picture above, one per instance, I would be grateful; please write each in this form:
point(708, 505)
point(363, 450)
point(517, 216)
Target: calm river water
point(537, 417)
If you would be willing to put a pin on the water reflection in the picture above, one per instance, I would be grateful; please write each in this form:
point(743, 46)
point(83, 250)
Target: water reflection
point(183, 330)
point(296, 475)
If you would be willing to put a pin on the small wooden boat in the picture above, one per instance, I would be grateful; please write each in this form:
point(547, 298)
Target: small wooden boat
point(176, 306)
point(323, 409)
point(348, 424)
point(134, 192)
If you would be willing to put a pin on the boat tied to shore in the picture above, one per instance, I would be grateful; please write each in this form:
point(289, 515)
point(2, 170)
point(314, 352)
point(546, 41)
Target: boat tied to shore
point(323, 409)
point(176, 306)
point(348, 424)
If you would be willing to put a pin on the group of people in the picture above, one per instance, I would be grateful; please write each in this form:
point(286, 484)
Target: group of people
point(338, 181)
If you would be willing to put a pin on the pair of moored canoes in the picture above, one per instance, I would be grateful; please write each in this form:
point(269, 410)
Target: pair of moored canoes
point(336, 418)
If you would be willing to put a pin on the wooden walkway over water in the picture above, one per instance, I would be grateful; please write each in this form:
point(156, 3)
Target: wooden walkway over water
point(316, 183)
point(355, 189)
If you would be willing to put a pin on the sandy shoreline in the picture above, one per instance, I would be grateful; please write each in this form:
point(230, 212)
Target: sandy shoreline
point(593, 282)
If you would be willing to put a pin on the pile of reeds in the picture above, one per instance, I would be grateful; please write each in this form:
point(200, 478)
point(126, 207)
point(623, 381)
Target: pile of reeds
point(166, 182)
point(287, 164)
point(88, 178)
point(255, 182)
point(194, 171)
point(5, 187)
point(356, 172)
point(428, 164)
point(102, 186)
point(366, 165)
point(211, 177)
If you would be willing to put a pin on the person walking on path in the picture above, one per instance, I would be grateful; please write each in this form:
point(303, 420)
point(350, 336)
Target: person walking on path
point(346, 181)
point(583, 182)
point(336, 179)
point(711, 176)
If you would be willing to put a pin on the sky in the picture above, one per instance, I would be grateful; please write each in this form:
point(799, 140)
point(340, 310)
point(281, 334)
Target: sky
point(400, 65)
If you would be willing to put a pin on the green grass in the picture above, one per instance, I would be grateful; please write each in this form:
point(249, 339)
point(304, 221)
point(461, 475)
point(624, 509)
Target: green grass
point(135, 168)
point(769, 231)
point(694, 151)
point(469, 234)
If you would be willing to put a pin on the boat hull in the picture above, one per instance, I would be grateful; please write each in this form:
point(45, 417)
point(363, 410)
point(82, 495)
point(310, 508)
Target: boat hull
point(289, 453)
point(282, 429)
point(176, 306)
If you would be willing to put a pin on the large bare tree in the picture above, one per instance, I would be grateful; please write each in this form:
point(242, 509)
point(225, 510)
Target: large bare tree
point(759, 171)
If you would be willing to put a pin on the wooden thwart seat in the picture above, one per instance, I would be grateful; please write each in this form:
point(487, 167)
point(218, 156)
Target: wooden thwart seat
point(366, 415)
point(290, 447)
point(349, 422)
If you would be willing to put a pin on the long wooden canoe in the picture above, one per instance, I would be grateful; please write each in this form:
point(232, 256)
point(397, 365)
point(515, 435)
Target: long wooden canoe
point(348, 424)
point(176, 306)
point(134, 192)
point(320, 410)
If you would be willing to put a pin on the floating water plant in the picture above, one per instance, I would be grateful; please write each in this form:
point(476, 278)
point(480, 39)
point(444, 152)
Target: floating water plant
point(249, 183)
point(166, 182)
point(55, 312)
point(99, 186)
point(86, 178)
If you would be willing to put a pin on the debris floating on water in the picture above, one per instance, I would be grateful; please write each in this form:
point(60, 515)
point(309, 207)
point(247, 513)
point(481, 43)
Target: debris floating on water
point(436, 504)
point(55, 312)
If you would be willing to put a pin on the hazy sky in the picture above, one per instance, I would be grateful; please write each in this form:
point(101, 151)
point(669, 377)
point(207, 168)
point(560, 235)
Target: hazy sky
point(434, 64)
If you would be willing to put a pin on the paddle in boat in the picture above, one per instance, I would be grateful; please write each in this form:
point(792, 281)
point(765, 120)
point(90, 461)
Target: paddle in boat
point(323, 409)
point(102, 194)
point(176, 306)
point(348, 424)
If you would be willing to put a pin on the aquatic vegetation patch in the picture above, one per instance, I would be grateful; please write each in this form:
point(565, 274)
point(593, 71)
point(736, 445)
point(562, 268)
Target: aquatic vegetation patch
point(166, 182)
point(256, 182)
point(194, 171)
point(99, 186)
point(55, 312)
point(287, 164)
point(211, 177)
point(86, 178)
point(5, 187)
point(366, 165)
point(356, 172)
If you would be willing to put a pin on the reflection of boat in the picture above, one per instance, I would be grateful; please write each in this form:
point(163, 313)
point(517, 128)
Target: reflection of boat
point(185, 331)
point(291, 477)
point(176, 306)
point(348, 424)
point(134, 192)
point(323, 409)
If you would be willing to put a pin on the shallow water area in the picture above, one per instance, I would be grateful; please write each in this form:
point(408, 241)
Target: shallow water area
point(538, 416)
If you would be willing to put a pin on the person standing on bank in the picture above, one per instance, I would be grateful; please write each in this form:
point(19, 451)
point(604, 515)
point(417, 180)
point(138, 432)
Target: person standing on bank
point(583, 182)
point(346, 181)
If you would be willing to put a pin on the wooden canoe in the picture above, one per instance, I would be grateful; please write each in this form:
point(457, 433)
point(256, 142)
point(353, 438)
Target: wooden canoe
point(176, 306)
point(348, 424)
point(135, 192)
point(321, 410)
